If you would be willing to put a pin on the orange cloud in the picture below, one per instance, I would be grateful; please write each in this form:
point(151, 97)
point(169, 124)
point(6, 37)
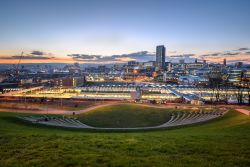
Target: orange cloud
point(52, 60)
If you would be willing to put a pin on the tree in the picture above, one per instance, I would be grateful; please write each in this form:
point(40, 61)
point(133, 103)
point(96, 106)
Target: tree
point(219, 84)
point(245, 83)
point(240, 89)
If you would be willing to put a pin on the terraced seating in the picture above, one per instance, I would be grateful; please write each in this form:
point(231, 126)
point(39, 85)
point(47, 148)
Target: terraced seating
point(177, 119)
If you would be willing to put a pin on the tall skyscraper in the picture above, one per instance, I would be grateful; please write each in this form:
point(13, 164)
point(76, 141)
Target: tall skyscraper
point(225, 62)
point(160, 57)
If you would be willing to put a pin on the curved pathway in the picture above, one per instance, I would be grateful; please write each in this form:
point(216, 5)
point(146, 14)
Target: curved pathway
point(65, 112)
point(54, 110)
point(117, 103)
point(243, 111)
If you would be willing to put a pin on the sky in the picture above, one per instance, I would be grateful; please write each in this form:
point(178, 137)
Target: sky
point(110, 31)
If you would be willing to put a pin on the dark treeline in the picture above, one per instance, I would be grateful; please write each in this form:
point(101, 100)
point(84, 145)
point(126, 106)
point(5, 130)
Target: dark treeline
point(218, 82)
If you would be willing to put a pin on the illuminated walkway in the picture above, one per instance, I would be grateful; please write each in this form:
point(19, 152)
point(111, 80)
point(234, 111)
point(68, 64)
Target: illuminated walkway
point(179, 94)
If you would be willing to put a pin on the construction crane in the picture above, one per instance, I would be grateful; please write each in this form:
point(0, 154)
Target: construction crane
point(14, 73)
point(17, 66)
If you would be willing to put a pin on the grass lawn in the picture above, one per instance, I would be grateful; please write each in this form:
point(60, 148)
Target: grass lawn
point(125, 116)
point(221, 142)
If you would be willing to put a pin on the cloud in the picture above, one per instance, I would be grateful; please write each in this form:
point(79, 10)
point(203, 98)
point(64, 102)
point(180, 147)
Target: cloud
point(231, 53)
point(239, 52)
point(84, 57)
point(182, 56)
point(245, 60)
point(232, 56)
point(242, 49)
point(176, 56)
point(142, 56)
point(30, 57)
point(221, 54)
point(172, 52)
point(210, 55)
point(137, 56)
point(36, 52)
point(33, 55)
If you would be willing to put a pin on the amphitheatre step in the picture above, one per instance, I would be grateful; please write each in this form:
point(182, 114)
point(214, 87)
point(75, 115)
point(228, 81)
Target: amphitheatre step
point(177, 119)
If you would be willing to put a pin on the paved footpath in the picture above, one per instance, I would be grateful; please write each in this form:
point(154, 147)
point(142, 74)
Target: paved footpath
point(244, 111)
point(65, 112)
point(54, 110)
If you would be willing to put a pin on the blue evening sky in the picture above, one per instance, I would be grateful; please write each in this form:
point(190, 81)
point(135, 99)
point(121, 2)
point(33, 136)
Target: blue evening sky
point(122, 26)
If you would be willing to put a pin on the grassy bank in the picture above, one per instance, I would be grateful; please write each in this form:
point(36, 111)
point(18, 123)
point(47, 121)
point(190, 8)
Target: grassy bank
point(222, 142)
point(125, 116)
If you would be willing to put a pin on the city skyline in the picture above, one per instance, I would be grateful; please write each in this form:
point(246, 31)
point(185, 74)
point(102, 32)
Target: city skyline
point(124, 83)
point(54, 31)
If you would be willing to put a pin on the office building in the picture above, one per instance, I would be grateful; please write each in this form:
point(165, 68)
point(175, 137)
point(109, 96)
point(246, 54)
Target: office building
point(160, 57)
point(225, 62)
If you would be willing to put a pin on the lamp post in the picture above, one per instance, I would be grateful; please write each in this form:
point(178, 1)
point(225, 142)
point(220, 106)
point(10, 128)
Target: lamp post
point(47, 106)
